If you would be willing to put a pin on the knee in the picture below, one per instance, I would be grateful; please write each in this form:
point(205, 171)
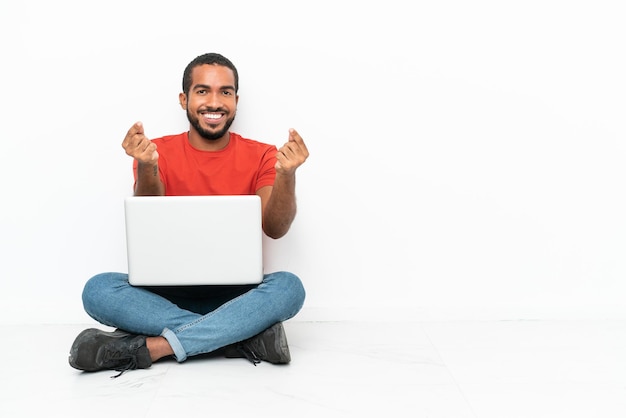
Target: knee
point(297, 288)
point(99, 287)
point(291, 288)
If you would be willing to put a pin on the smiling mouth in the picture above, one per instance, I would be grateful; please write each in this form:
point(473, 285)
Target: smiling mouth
point(212, 117)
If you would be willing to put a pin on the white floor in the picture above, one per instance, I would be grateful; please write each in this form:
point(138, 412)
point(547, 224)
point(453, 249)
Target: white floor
point(456, 369)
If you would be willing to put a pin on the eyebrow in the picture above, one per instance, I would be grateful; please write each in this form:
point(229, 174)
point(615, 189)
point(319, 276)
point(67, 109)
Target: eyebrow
point(207, 87)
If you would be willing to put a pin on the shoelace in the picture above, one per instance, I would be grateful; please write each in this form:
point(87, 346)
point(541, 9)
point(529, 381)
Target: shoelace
point(249, 354)
point(131, 365)
point(114, 357)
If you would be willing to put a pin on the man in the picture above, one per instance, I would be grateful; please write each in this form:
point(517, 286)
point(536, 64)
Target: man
point(245, 321)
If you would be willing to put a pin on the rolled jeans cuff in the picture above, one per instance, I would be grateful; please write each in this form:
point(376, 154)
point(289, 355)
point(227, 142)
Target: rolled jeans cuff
point(179, 351)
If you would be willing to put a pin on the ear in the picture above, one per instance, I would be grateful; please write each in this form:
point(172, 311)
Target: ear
point(182, 98)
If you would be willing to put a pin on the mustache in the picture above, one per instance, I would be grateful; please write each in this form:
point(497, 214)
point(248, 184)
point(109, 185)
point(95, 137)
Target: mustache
point(212, 109)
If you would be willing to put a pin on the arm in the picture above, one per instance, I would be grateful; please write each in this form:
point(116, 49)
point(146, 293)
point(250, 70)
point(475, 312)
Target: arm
point(279, 201)
point(138, 146)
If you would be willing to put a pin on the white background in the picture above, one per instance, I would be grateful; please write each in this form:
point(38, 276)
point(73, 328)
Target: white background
point(467, 157)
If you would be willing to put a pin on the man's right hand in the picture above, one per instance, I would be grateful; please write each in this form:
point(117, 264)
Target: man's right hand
point(138, 146)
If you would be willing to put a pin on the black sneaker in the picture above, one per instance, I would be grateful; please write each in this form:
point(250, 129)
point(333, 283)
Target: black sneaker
point(95, 350)
point(270, 345)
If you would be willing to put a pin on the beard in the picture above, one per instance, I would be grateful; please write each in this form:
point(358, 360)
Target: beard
point(206, 134)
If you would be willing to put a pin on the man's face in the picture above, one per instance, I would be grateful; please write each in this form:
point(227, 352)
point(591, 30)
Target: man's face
point(211, 103)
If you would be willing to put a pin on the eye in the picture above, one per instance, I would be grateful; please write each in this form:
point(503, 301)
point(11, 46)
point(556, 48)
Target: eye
point(201, 91)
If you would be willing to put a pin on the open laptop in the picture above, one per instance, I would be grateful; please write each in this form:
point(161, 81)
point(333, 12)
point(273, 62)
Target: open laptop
point(194, 240)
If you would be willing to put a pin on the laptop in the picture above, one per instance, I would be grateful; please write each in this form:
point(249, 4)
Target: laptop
point(194, 240)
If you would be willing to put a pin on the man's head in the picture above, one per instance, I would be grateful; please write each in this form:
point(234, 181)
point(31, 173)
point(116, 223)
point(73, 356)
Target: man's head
point(211, 58)
point(210, 85)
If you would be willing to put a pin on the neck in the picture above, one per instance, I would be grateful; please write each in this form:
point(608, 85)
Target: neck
point(199, 142)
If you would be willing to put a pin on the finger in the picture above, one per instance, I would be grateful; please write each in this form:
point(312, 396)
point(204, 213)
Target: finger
point(286, 152)
point(145, 151)
point(144, 145)
point(150, 152)
point(295, 137)
point(295, 150)
point(136, 129)
point(288, 158)
point(133, 142)
point(138, 126)
point(281, 161)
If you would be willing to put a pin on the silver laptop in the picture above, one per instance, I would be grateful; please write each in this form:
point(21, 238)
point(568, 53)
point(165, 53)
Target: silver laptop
point(194, 240)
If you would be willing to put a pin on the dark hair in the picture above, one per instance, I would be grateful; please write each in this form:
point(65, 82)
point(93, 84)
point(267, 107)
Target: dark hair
point(210, 58)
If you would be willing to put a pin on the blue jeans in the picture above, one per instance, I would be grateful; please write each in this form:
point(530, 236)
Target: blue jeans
point(196, 319)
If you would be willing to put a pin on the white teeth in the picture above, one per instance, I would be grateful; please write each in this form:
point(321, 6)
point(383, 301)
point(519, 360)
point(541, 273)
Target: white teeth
point(213, 115)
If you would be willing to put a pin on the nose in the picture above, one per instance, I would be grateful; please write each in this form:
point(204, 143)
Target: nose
point(214, 100)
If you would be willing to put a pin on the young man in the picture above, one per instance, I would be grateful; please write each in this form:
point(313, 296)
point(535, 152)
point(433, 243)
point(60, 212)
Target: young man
point(246, 321)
